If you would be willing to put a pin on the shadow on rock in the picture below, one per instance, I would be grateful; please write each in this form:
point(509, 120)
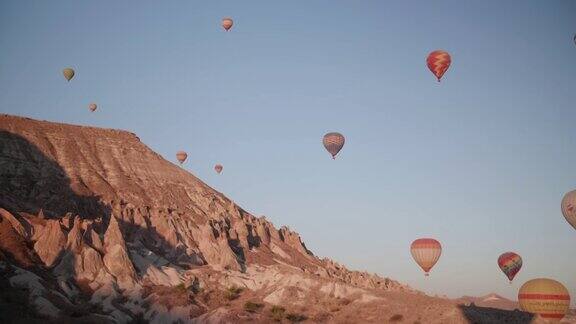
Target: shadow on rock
point(485, 315)
point(27, 173)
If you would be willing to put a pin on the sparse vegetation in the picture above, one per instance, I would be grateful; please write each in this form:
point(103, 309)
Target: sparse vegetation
point(293, 317)
point(277, 313)
point(252, 307)
point(396, 318)
point(181, 288)
point(233, 292)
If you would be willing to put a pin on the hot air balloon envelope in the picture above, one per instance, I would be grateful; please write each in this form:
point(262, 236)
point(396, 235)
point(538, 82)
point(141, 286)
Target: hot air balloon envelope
point(546, 297)
point(181, 156)
point(68, 73)
point(438, 62)
point(218, 168)
point(92, 107)
point(227, 23)
point(426, 252)
point(333, 142)
point(510, 263)
point(568, 206)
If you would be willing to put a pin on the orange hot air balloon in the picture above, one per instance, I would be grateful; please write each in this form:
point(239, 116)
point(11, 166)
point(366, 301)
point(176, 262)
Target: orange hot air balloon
point(227, 23)
point(510, 263)
point(426, 252)
point(333, 142)
point(181, 156)
point(439, 62)
point(92, 107)
point(546, 297)
point(569, 207)
point(218, 168)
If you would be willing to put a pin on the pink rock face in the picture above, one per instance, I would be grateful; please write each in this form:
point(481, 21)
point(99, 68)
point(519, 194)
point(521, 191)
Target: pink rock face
point(51, 243)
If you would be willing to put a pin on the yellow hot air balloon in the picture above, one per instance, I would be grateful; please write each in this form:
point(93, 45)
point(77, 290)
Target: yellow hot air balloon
point(227, 23)
point(92, 107)
point(68, 73)
point(426, 252)
point(546, 297)
point(181, 156)
point(569, 207)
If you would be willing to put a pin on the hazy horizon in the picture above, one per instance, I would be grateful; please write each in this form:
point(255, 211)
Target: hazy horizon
point(479, 161)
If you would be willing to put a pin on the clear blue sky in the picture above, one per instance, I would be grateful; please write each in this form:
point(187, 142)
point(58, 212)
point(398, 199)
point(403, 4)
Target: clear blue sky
point(480, 161)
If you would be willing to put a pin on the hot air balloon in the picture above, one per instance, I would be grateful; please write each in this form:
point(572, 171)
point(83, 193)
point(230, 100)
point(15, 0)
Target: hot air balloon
point(181, 156)
point(569, 207)
point(546, 297)
point(227, 23)
point(218, 168)
point(333, 142)
point(510, 263)
point(92, 107)
point(68, 73)
point(438, 62)
point(426, 252)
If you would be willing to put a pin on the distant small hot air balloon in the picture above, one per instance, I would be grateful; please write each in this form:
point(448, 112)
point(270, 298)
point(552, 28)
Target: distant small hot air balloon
point(510, 263)
point(438, 62)
point(68, 73)
point(426, 252)
point(546, 297)
point(181, 156)
point(92, 107)
point(333, 142)
point(218, 168)
point(574, 38)
point(568, 206)
point(227, 23)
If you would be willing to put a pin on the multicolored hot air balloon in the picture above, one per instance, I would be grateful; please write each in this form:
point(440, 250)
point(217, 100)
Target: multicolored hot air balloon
point(569, 207)
point(227, 23)
point(510, 263)
point(68, 73)
point(439, 62)
point(546, 297)
point(218, 168)
point(426, 252)
point(333, 142)
point(181, 156)
point(92, 107)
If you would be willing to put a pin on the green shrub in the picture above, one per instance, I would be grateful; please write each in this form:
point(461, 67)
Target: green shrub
point(252, 307)
point(181, 288)
point(293, 317)
point(233, 292)
point(277, 313)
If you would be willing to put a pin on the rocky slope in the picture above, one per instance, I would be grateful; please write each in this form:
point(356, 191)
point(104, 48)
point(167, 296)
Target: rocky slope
point(97, 228)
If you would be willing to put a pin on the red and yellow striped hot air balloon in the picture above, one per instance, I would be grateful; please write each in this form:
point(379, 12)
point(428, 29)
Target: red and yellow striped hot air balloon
point(181, 156)
point(546, 297)
point(227, 23)
point(569, 207)
point(510, 263)
point(426, 252)
point(333, 142)
point(439, 62)
point(218, 168)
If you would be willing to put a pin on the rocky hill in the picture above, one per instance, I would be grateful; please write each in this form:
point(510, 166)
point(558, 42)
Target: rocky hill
point(97, 228)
